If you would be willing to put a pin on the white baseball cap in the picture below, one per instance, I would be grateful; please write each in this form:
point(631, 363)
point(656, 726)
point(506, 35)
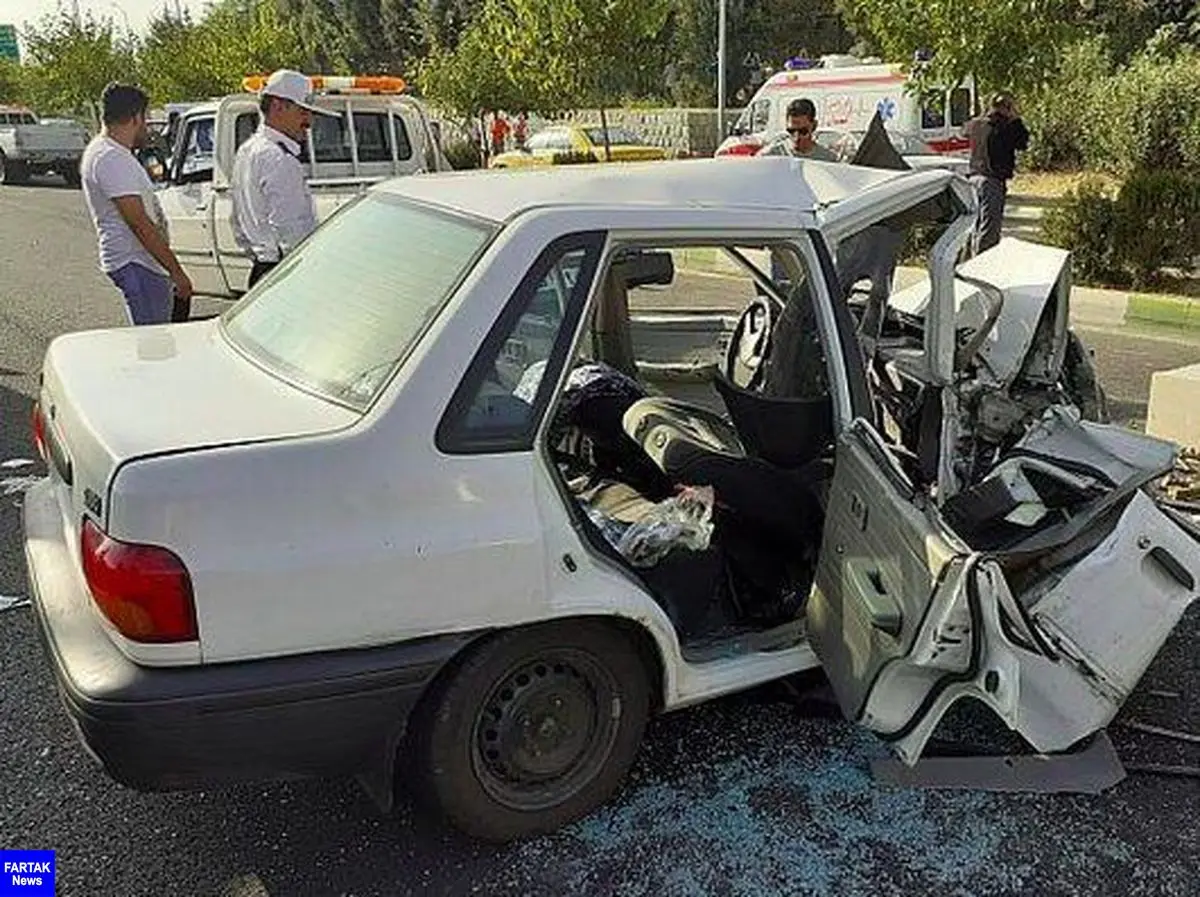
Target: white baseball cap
point(289, 85)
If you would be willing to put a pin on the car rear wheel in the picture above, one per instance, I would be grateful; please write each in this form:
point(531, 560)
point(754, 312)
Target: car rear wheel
point(535, 728)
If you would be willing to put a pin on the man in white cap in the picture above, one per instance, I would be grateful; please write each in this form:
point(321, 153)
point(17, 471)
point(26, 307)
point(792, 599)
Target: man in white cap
point(272, 206)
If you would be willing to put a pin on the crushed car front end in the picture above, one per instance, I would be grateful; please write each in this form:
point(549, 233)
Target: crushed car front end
point(1071, 575)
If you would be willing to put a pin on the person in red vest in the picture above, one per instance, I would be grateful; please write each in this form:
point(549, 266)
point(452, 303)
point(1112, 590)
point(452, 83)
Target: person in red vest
point(521, 131)
point(500, 130)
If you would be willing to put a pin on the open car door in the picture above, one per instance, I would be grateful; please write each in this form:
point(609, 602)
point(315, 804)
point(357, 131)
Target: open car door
point(887, 615)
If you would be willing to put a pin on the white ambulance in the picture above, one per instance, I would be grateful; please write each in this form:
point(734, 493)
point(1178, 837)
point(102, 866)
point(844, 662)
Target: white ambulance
point(847, 92)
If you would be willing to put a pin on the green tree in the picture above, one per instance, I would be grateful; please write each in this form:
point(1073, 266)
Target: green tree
point(543, 55)
point(758, 33)
point(12, 82)
point(468, 79)
point(186, 60)
point(404, 39)
point(442, 23)
point(1014, 44)
point(71, 59)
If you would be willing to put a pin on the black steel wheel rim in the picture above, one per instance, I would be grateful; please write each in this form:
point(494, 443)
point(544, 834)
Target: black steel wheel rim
point(545, 730)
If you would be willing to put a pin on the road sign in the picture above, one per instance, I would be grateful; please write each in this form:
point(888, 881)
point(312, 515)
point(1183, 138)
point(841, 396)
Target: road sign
point(8, 43)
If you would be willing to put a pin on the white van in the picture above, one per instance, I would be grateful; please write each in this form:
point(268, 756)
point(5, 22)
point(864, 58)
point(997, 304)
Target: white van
point(847, 92)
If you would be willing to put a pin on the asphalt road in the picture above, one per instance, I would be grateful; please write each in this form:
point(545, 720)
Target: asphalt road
point(751, 795)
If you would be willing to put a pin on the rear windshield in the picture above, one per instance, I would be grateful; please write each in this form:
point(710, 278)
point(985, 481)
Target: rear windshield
point(342, 311)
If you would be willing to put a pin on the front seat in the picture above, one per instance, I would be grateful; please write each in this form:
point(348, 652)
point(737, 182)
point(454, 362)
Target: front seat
point(769, 464)
point(697, 447)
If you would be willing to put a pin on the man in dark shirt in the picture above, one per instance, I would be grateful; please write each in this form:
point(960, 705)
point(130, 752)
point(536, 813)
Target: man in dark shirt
point(995, 139)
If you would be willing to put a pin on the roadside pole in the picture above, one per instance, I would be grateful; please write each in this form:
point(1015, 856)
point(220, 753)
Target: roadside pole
point(720, 70)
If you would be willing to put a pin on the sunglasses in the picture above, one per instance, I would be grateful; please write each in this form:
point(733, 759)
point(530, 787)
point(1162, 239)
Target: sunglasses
point(799, 132)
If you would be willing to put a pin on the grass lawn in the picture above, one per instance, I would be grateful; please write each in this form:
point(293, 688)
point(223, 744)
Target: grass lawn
point(1051, 184)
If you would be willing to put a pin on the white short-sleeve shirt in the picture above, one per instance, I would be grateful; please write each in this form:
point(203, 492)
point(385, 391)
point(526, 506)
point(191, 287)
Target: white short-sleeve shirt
point(110, 170)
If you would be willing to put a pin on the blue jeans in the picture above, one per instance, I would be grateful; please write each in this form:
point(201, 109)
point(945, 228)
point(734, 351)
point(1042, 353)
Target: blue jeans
point(148, 294)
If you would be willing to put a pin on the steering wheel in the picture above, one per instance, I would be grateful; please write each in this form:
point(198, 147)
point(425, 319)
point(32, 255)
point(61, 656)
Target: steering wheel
point(750, 344)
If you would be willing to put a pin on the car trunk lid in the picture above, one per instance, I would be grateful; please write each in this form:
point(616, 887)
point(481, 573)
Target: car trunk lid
point(110, 397)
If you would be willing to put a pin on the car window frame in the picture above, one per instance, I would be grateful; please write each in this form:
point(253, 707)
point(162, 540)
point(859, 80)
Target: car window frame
point(452, 437)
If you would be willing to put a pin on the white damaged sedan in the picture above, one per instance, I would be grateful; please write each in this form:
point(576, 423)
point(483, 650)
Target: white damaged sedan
point(429, 502)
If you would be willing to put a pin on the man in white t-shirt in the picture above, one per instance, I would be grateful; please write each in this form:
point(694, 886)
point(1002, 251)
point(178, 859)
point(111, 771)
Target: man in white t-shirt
point(130, 227)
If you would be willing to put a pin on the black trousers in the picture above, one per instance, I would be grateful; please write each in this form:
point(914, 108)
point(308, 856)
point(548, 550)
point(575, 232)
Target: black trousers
point(258, 270)
point(993, 193)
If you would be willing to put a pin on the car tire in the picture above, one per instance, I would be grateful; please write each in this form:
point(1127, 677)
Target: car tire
point(13, 173)
point(73, 178)
point(531, 730)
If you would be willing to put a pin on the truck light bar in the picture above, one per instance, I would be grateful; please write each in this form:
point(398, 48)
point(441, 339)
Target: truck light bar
point(337, 84)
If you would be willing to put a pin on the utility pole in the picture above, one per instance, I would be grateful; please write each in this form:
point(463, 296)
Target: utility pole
point(721, 69)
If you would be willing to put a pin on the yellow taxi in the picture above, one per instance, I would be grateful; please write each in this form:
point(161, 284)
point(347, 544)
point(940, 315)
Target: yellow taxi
point(565, 144)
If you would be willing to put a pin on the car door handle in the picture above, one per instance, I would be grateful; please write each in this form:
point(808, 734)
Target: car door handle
point(866, 584)
point(858, 511)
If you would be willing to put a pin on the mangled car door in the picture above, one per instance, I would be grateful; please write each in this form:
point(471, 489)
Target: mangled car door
point(1044, 590)
point(886, 571)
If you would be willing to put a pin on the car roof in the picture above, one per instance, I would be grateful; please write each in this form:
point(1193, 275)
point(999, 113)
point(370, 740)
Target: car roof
point(793, 185)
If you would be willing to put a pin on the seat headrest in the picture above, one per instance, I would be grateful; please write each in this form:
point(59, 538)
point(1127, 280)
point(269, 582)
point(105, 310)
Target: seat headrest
point(657, 423)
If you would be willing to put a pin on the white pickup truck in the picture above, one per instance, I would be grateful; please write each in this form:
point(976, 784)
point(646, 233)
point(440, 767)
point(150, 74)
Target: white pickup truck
point(29, 146)
point(392, 135)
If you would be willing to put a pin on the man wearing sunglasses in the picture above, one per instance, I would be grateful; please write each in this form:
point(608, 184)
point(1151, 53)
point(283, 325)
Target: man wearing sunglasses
point(800, 140)
point(272, 205)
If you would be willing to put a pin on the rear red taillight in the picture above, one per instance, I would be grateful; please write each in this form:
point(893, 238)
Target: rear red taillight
point(747, 148)
point(144, 590)
point(39, 430)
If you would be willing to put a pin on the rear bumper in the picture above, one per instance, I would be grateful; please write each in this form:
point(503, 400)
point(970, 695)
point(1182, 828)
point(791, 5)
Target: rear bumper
point(335, 713)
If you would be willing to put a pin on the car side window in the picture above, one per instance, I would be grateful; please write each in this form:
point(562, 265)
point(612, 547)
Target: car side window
point(244, 127)
point(504, 394)
point(196, 156)
point(404, 150)
point(760, 115)
point(329, 139)
point(960, 106)
point(933, 110)
point(559, 140)
point(372, 137)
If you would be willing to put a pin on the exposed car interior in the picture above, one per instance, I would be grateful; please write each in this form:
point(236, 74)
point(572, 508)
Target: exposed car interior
point(751, 470)
point(708, 479)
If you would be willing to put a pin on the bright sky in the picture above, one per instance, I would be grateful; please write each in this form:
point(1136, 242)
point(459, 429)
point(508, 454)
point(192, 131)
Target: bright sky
point(137, 13)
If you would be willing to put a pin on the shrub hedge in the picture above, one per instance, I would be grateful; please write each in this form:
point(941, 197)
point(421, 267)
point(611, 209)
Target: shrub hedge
point(1152, 223)
point(1141, 116)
